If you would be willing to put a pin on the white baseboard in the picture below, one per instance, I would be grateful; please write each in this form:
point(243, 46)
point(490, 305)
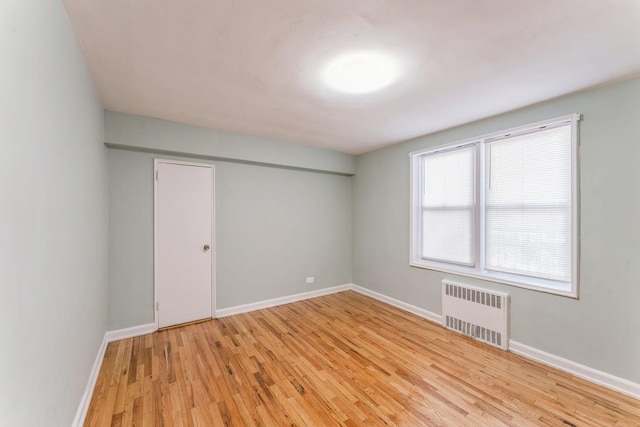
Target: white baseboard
point(595, 376)
point(245, 308)
point(81, 413)
point(400, 304)
point(134, 331)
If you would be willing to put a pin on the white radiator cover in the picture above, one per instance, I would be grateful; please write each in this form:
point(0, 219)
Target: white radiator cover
point(482, 314)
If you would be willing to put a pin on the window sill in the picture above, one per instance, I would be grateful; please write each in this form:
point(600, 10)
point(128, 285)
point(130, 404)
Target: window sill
point(568, 290)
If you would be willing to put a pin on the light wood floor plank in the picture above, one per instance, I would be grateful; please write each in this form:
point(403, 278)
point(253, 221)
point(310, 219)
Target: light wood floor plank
point(343, 359)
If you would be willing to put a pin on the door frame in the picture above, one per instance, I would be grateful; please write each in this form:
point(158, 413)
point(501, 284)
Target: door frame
point(156, 163)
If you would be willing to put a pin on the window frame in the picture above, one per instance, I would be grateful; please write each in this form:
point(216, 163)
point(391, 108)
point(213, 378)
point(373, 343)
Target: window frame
point(570, 289)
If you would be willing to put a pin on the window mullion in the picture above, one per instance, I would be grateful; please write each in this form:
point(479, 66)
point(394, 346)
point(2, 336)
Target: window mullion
point(480, 201)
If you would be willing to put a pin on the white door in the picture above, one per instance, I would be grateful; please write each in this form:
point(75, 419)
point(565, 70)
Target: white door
point(183, 242)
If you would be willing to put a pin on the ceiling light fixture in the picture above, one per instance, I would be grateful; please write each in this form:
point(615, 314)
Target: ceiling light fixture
point(360, 72)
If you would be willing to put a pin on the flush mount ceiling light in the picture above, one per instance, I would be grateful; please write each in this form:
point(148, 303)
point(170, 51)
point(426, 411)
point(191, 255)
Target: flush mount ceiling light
point(360, 72)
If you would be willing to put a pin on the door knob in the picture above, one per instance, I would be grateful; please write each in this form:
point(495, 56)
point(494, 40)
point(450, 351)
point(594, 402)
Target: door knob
point(206, 248)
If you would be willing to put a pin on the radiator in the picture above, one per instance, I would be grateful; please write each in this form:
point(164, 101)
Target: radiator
point(479, 313)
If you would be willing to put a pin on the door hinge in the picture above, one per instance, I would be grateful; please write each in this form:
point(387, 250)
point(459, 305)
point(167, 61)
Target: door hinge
point(157, 306)
point(156, 174)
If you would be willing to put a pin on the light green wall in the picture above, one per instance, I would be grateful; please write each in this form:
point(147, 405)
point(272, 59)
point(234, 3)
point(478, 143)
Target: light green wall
point(600, 329)
point(53, 217)
point(169, 138)
point(274, 227)
point(130, 239)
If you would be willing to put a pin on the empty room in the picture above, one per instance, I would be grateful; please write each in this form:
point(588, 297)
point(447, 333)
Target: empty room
point(319, 213)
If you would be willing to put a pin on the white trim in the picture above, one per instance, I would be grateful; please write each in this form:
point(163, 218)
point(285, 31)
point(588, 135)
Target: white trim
point(575, 206)
point(429, 315)
point(134, 331)
point(593, 375)
point(85, 401)
point(155, 234)
point(214, 248)
point(245, 308)
point(156, 162)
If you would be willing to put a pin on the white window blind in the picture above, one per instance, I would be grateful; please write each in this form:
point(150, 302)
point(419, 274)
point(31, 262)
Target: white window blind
point(448, 206)
point(501, 207)
point(528, 204)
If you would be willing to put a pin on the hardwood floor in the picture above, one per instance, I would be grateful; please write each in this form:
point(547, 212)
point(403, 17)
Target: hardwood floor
point(343, 359)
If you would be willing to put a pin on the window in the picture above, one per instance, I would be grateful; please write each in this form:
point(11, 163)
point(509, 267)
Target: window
point(501, 207)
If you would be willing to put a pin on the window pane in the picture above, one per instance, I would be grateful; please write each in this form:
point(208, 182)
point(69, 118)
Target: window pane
point(534, 242)
point(449, 178)
point(448, 235)
point(528, 204)
point(448, 206)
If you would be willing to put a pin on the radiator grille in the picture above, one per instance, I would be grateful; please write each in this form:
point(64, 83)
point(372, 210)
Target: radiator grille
point(473, 295)
point(475, 331)
point(479, 313)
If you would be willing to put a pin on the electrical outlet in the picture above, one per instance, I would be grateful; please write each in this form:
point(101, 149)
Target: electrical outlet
point(310, 279)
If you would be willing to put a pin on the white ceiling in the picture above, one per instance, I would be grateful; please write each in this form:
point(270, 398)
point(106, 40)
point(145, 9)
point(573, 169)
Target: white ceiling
point(254, 67)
